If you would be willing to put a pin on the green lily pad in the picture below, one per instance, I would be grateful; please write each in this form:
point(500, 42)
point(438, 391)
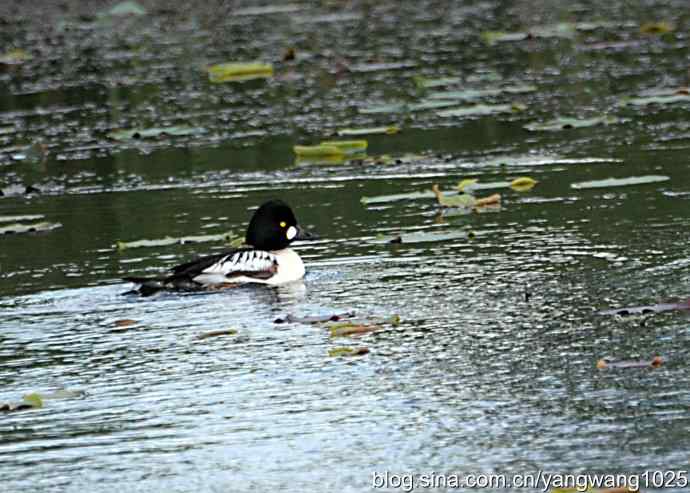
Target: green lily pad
point(18, 228)
point(228, 237)
point(482, 110)
point(563, 123)
point(474, 94)
point(620, 182)
point(239, 71)
point(357, 132)
point(154, 132)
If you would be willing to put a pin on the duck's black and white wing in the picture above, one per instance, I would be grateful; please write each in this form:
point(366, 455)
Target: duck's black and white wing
point(227, 267)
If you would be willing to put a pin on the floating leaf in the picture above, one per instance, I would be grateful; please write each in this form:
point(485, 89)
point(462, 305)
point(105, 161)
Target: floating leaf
point(494, 199)
point(34, 400)
point(563, 123)
point(347, 146)
point(318, 151)
point(237, 72)
point(154, 132)
point(493, 37)
point(215, 333)
point(314, 319)
point(382, 199)
point(463, 200)
point(428, 83)
point(646, 310)
point(347, 351)
point(523, 184)
point(342, 329)
point(18, 228)
point(467, 183)
point(656, 27)
point(658, 96)
point(356, 132)
point(126, 8)
point(483, 110)
point(125, 322)
point(620, 182)
point(561, 30)
point(29, 217)
point(378, 67)
point(227, 237)
point(474, 94)
point(17, 189)
point(430, 104)
point(62, 394)
point(14, 57)
point(384, 108)
point(422, 237)
point(606, 363)
point(321, 160)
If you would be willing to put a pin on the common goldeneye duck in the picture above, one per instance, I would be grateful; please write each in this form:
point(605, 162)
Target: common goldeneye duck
point(266, 257)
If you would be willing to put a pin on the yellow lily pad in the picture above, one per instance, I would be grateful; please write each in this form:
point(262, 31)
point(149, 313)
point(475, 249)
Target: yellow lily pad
point(318, 151)
point(357, 132)
point(662, 27)
point(347, 146)
point(523, 184)
point(237, 71)
point(34, 400)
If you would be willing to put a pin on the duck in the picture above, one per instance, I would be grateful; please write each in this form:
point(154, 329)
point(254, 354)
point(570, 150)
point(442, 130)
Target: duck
point(265, 258)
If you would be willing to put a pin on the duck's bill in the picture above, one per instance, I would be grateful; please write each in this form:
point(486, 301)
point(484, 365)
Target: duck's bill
point(305, 235)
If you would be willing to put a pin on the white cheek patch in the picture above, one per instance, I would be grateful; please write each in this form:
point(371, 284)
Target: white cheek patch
point(291, 232)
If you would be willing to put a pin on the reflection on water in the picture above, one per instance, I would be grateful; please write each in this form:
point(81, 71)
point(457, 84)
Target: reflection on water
point(493, 365)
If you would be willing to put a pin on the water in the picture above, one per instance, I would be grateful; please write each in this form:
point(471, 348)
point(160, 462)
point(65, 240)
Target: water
point(493, 366)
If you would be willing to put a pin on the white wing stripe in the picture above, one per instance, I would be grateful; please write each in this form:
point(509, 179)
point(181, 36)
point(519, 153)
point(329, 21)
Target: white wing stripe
point(247, 261)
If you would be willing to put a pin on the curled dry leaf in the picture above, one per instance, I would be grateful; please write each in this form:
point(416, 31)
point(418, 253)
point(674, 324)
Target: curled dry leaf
point(347, 351)
point(654, 363)
point(215, 333)
point(343, 329)
point(314, 319)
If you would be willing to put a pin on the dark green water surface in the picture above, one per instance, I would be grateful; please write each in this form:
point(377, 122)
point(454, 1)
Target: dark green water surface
point(477, 378)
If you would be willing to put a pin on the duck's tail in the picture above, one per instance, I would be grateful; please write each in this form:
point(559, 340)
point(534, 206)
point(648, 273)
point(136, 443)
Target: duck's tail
point(151, 285)
point(147, 285)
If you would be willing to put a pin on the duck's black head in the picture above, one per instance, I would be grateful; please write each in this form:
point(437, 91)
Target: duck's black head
point(273, 227)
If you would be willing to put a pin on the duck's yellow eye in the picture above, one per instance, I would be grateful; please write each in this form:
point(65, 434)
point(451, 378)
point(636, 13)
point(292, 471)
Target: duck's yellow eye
point(283, 224)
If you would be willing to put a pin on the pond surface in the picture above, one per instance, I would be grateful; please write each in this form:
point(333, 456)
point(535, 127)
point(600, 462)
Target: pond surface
point(493, 366)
